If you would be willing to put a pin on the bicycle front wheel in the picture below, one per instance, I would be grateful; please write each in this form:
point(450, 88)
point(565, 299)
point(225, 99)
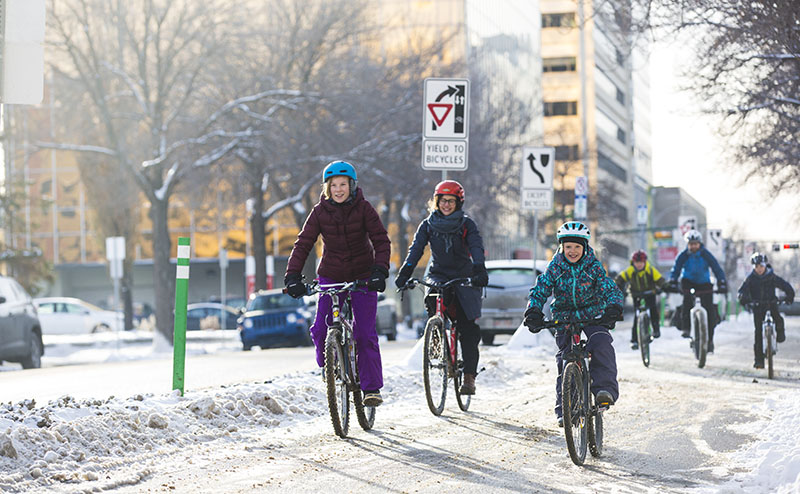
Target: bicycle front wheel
point(644, 338)
point(434, 365)
point(574, 407)
point(769, 336)
point(700, 339)
point(338, 390)
point(458, 378)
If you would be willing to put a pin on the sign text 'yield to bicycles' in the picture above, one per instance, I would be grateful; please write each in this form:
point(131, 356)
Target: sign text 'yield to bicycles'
point(445, 124)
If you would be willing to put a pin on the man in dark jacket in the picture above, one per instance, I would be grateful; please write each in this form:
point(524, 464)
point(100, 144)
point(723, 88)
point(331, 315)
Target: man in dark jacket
point(758, 289)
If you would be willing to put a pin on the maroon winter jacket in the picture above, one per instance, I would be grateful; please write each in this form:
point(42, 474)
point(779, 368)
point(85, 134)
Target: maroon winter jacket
point(354, 239)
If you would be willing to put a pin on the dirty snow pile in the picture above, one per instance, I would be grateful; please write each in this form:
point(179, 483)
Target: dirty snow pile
point(95, 445)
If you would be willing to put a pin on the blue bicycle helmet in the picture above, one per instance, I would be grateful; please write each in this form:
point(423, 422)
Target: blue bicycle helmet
point(339, 168)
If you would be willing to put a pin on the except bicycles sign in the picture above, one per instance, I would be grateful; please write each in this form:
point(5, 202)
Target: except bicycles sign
point(445, 124)
point(537, 178)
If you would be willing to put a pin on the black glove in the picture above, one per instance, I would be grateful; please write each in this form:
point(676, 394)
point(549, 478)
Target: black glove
point(672, 287)
point(402, 277)
point(534, 319)
point(479, 275)
point(377, 281)
point(612, 314)
point(294, 285)
point(722, 286)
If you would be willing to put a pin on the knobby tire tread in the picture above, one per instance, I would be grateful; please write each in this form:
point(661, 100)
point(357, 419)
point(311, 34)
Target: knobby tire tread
point(339, 409)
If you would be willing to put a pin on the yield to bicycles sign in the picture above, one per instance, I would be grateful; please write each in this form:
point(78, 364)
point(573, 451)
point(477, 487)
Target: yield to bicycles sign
point(445, 126)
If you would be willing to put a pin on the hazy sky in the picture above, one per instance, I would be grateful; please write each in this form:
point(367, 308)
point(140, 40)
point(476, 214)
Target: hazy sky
point(686, 154)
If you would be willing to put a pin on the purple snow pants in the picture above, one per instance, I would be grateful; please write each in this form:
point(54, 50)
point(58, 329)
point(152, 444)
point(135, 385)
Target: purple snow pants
point(365, 306)
point(602, 366)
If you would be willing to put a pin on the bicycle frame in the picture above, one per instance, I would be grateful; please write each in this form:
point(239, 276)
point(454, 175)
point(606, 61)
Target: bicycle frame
point(441, 360)
point(341, 360)
point(587, 429)
point(769, 346)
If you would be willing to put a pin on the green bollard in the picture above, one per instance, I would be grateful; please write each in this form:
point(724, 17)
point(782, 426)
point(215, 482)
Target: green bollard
point(181, 301)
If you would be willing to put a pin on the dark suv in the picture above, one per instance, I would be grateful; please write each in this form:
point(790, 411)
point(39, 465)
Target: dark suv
point(273, 318)
point(20, 331)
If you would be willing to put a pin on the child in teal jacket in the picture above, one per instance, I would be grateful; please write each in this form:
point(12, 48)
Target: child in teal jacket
point(582, 290)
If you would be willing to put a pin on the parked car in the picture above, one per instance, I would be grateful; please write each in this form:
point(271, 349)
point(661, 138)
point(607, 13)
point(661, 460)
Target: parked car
point(67, 315)
point(273, 318)
point(206, 315)
point(503, 309)
point(20, 331)
point(386, 317)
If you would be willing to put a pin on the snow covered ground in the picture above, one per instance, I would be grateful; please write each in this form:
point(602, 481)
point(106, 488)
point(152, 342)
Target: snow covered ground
point(676, 428)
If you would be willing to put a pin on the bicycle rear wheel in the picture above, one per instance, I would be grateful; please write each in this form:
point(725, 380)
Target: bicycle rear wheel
point(643, 327)
point(338, 390)
point(700, 339)
point(458, 378)
point(595, 429)
point(574, 407)
point(769, 336)
point(434, 365)
point(365, 415)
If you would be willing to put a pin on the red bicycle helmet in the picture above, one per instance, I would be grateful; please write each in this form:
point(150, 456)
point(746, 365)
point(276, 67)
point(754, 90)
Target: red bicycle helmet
point(450, 188)
point(639, 255)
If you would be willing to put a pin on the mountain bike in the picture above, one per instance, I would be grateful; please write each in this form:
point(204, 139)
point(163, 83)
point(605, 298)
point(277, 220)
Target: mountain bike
point(644, 330)
point(698, 323)
point(341, 357)
point(768, 333)
point(441, 358)
point(583, 418)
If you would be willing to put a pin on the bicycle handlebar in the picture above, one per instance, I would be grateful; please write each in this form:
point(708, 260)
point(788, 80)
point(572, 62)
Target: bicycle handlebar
point(413, 282)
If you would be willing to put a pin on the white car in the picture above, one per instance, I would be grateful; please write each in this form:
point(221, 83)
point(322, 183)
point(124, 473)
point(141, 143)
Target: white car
point(503, 309)
point(67, 315)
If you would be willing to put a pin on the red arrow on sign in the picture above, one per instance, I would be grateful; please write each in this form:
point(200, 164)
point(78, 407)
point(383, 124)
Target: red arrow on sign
point(434, 107)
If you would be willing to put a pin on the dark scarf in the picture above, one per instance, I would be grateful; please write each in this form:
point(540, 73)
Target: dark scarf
point(446, 227)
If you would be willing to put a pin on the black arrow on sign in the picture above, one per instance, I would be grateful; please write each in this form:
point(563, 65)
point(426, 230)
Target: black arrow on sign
point(448, 92)
point(531, 160)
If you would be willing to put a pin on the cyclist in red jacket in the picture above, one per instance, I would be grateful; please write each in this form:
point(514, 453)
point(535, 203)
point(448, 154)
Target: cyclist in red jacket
point(355, 247)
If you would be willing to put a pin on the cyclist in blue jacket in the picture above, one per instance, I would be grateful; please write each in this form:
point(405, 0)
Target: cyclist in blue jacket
point(693, 265)
point(582, 290)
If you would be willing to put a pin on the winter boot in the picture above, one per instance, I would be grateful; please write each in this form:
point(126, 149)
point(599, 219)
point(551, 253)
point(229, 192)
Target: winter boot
point(468, 386)
point(656, 331)
point(759, 358)
point(372, 398)
point(561, 422)
point(685, 333)
point(634, 345)
point(710, 347)
point(781, 335)
point(604, 398)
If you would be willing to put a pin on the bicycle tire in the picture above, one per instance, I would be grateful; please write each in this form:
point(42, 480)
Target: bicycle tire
point(769, 337)
point(595, 432)
point(434, 365)
point(365, 415)
point(337, 389)
point(700, 339)
point(573, 406)
point(458, 378)
point(643, 333)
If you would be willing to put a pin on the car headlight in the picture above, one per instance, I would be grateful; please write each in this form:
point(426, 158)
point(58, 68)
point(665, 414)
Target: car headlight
point(248, 323)
point(291, 318)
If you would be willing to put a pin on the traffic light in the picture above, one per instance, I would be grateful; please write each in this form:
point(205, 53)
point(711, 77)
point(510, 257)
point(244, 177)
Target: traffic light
point(22, 51)
point(791, 246)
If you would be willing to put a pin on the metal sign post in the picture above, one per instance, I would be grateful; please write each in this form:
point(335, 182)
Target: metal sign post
point(223, 269)
point(115, 253)
point(537, 185)
point(445, 124)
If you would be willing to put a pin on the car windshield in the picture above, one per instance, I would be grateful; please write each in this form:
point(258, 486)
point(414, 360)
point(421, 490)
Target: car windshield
point(274, 301)
point(511, 277)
